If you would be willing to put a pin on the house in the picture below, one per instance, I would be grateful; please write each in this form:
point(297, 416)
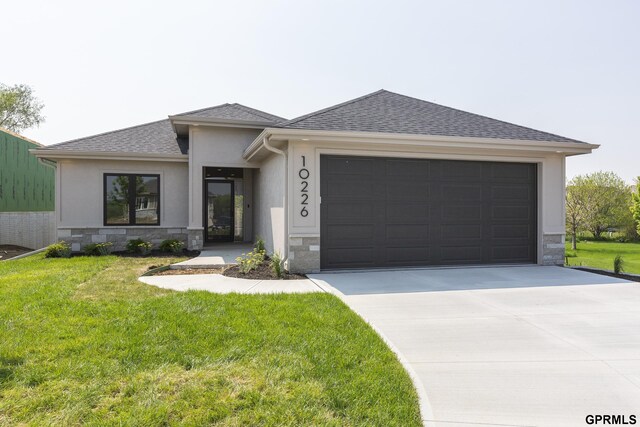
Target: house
point(384, 180)
point(27, 194)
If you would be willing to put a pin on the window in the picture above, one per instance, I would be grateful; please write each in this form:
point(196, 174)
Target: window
point(131, 199)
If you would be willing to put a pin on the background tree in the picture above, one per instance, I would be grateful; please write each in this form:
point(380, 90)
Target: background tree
point(577, 199)
point(635, 205)
point(19, 108)
point(604, 201)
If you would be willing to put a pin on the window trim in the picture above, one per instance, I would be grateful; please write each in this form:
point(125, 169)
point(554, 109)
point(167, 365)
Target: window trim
point(131, 200)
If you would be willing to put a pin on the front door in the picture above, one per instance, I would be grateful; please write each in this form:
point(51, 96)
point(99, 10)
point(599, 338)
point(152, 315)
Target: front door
point(219, 211)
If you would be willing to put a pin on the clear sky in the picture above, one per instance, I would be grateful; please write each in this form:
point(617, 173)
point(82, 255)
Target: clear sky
point(566, 67)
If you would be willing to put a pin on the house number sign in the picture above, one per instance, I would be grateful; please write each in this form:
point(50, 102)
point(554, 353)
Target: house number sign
point(304, 174)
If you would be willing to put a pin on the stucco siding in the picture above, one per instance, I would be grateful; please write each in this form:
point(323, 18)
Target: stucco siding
point(269, 203)
point(220, 147)
point(81, 196)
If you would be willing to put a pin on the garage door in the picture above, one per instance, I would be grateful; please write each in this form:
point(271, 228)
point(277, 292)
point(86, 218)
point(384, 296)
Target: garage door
point(390, 212)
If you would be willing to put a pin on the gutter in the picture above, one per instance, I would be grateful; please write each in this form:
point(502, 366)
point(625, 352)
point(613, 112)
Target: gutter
point(50, 153)
point(47, 162)
point(265, 144)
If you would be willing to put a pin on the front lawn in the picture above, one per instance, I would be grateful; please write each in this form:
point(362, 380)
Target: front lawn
point(600, 254)
point(83, 342)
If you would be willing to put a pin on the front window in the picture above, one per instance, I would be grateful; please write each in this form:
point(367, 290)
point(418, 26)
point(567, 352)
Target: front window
point(131, 199)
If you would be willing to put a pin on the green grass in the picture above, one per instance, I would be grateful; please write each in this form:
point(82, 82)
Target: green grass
point(82, 342)
point(600, 254)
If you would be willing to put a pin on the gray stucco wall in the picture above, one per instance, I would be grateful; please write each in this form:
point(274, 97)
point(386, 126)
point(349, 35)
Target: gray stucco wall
point(268, 193)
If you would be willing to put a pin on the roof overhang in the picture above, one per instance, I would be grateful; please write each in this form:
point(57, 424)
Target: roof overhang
point(436, 141)
point(53, 154)
point(181, 124)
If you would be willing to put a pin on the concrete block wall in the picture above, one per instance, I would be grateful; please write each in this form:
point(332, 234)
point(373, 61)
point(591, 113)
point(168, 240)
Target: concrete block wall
point(33, 230)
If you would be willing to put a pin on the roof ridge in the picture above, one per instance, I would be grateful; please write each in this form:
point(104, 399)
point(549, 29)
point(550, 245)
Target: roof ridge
point(201, 109)
point(106, 133)
point(257, 112)
point(483, 116)
point(333, 107)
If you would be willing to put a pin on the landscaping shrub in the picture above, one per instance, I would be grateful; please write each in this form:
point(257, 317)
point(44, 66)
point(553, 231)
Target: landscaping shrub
point(58, 250)
point(139, 246)
point(250, 261)
point(98, 249)
point(171, 245)
point(276, 265)
point(259, 246)
point(618, 264)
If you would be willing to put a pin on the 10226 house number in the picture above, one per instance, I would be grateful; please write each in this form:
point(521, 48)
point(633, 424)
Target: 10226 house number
point(304, 174)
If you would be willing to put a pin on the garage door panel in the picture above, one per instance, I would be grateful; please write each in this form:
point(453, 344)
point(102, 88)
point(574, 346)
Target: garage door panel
point(521, 213)
point(407, 190)
point(461, 192)
point(403, 213)
point(388, 212)
point(460, 231)
point(461, 254)
point(418, 255)
point(406, 168)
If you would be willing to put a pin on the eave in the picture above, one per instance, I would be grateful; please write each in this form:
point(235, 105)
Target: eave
point(436, 141)
point(53, 154)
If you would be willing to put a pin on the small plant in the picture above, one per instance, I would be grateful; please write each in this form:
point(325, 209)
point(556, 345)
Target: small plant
point(58, 250)
point(618, 264)
point(98, 249)
point(139, 246)
point(250, 261)
point(276, 265)
point(259, 246)
point(171, 245)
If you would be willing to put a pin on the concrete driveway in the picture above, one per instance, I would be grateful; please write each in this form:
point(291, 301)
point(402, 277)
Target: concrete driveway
point(507, 346)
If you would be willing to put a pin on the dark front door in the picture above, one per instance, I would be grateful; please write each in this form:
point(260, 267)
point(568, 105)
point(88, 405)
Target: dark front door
point(218, 211)
point(391, 212)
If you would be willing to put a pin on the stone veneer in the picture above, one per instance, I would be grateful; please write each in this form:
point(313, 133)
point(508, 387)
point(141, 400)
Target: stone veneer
point(79, 237)
point(195, 239)
point(553, 249)
point(304, 255)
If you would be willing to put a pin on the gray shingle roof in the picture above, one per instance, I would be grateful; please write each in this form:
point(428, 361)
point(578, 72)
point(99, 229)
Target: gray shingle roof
point(233, 112)
point(389, 112)
point(159, 137)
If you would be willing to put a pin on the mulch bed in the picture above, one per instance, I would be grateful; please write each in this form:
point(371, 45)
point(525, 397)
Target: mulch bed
point(632, 277)
point(155, 253)
point(263, 272)
point(10, 251)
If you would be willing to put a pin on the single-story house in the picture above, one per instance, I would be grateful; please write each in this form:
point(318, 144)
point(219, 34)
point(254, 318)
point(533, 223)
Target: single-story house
point(27, 194)
point(384, 180)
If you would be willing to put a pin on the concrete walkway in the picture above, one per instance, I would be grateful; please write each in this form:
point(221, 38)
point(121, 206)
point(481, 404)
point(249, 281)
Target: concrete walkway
point(519, 346)
point(220, 284)
point(216, 255)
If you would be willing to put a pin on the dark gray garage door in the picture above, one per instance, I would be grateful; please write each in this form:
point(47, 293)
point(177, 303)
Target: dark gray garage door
point(388, 212)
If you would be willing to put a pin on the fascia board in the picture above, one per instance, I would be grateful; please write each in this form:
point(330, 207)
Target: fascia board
point(105, 155)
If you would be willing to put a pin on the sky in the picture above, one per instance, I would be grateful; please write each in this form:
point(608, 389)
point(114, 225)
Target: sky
point(565, 67)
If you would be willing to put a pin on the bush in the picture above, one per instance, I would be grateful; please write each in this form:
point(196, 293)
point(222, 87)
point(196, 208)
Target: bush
point(58, 250)
point(276, 265)
point(618, 264)
point(259, 246)
point(171, 245)
point(139, 246)
point(98, 249)
point(250, 261)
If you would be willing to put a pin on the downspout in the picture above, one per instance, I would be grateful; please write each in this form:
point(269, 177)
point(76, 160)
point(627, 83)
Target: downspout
point(265, 143)
point(47, 162)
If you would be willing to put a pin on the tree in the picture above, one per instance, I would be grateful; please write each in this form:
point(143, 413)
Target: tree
point(604, 201)
point(635, 204)
point(577, 199)
point(19, 108)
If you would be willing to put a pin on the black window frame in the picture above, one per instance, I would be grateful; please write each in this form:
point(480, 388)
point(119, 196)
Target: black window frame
point(132, 199)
